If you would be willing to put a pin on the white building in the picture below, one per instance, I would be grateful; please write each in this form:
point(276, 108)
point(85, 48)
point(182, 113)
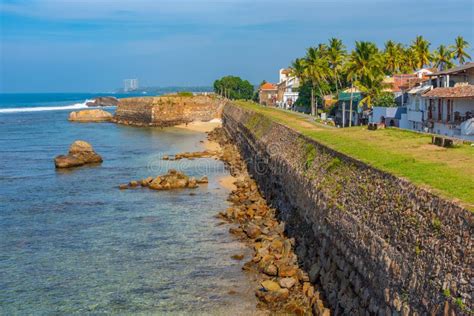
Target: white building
point(287, 89)
point(450, 106)
point(130, 85)
point(416, 108)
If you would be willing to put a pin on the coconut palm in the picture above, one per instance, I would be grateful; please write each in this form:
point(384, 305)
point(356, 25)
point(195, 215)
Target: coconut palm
point(443, 58)
point(366, 65)
point(421, 47)
point(316, 71)
point(365, 62)
point(297, 69)
point(393, 57)
point(459, 48)
point(336, 56)
point(409, 60)
point(371, 89)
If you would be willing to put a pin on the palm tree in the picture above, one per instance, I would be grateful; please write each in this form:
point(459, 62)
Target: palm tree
point(366, 65)
point(393, 55)
point(443, 58)
point(409, 60)
point(371, 89)
point(421, 48)
point(459, 49)
point(336, 56)
point(316, 70)
point(297, 69)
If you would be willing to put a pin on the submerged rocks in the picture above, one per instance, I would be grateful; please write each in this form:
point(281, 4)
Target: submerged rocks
point(172, 180)
point(80, 153)
point(96, 115)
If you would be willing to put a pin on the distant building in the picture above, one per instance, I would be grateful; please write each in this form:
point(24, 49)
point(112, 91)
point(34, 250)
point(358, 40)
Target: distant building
point(267, 94)
point(288, 87)
point(130, 85)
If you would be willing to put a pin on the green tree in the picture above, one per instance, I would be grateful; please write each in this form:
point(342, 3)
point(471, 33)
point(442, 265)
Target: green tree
point(421, 47)
point(365, 70)
point(336, 56)
point(316, 70)
point(234, 88)
point(385, 99)
point(409, 60)
point(459, 48)
point(393, 57)
point(443, 58)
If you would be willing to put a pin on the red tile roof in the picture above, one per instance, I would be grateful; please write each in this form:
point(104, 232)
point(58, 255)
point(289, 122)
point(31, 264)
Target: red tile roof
point(268, 86)
point(466, 91)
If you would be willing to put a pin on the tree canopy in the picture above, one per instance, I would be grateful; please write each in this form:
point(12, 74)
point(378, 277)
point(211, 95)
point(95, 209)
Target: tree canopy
point(326, 68)
point(234, 88)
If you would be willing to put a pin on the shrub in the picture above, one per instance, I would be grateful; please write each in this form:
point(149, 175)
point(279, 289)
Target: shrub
point(185, 94)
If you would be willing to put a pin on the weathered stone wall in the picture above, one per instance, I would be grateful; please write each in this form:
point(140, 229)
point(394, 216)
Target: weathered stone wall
point(167, 110)
point(373, 243)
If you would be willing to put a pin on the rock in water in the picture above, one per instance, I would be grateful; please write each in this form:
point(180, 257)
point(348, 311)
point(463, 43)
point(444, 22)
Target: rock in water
point(90, 116)
point(80, 153)
point(104, 101)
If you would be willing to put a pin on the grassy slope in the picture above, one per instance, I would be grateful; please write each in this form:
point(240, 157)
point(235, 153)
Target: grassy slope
point(449, 172)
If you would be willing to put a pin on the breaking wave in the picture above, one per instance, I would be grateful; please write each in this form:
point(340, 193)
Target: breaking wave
point(47, 108)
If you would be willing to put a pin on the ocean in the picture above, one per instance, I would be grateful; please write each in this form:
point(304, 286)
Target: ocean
point(72, 242)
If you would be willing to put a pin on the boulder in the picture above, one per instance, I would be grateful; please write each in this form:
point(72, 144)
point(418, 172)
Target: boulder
point(287, 282)
point(104, 101)
point(80, 153)
point(90, 116)
point(270, 285)
point(172, 180)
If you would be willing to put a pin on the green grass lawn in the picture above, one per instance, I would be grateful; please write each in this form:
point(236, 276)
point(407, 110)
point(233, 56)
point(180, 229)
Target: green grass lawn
point(410, 155)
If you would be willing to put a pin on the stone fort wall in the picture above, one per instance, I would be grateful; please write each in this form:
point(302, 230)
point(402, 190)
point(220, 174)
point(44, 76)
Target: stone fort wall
point(371, 242)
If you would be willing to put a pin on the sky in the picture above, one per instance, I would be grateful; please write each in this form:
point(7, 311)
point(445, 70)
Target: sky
point(92, 45)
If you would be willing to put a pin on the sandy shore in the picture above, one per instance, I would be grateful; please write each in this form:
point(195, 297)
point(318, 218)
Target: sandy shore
point(199, 126)
point(226, 181)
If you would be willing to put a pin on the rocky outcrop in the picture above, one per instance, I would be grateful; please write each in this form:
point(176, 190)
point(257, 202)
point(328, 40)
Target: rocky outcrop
point(103, 101)
point(90, 116)
point(170, 181)
point(284, 287)
point(372, 242)
point(80, 153)
point(167, 110)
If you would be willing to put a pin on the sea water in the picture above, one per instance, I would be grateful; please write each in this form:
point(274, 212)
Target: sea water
point(72, 242)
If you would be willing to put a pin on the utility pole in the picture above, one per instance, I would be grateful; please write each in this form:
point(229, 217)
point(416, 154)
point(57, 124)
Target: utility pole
point(343, 114)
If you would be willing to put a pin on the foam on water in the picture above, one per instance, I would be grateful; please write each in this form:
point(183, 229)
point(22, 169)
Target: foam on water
point(75, 106)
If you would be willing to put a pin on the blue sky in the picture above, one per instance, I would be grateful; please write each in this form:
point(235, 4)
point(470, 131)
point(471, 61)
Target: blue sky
point(91, 45)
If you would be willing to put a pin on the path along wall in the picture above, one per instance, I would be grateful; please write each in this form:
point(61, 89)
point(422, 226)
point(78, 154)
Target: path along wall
point(373, 243)
point(167, 110)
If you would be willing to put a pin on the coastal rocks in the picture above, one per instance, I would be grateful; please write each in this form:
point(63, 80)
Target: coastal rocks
point(90, 116)
point(284, 286)
point(80, 153)
point(103, 101)
point(170, 181)
point(193, 155)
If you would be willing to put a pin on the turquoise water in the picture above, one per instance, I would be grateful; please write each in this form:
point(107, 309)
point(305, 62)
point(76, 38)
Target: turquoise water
point(71, 242)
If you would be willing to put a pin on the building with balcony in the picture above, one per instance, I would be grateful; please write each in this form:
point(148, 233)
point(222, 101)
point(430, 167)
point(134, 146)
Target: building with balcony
point(288, 89)
point(450, 105)
point(415, 108)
